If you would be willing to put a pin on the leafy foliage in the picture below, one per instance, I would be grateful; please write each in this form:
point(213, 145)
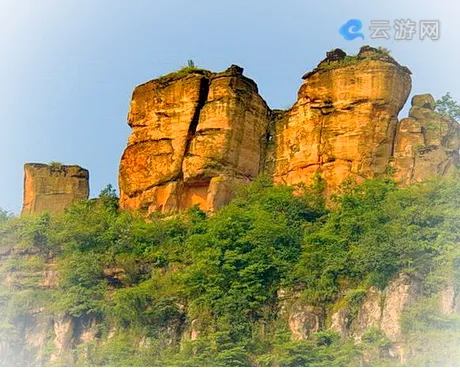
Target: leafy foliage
point(446, 105)
point(219, 276)
point(4, 215)
point(377, 231)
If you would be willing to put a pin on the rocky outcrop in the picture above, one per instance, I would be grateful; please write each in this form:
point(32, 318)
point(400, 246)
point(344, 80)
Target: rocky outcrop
point(426, 143)
point(303, 319)
point(64, 331)
point(354, 317)
point(344, 120)
point(52, 188)
point(380, 309)
point(193, 135)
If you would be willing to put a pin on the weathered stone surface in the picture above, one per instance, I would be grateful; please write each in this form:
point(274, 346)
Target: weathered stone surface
point(194, 135)
point(379, 309)
point(343, 122)
point(425, 100)
point(400, 295)
point(232, 124)
point(340, 322)
point(426, 144)
point(302, 318)
point(304, 321)
point(64, 330)
point(447, 299)
point(53, 188)
point(162, 115)
point(369, 314)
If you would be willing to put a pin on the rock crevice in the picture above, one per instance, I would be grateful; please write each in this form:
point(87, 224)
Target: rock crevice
point(220, 131)
point(215, 123)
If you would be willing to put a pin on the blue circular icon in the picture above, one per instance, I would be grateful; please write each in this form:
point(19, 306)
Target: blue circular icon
point(350, 30)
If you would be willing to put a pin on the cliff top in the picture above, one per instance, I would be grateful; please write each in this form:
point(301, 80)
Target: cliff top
point(338, 58)
point(231, 71)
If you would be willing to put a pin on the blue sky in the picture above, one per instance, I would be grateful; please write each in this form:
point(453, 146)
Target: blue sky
point(68, 68)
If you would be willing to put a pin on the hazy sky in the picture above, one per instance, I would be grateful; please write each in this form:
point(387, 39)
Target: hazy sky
point(68, 68)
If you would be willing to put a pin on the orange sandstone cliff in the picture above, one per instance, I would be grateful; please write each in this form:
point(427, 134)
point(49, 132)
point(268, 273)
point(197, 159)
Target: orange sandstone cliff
point(52, 188)
point(426, 143)
point(344, 120)
point(193, 135)
point(196, 133)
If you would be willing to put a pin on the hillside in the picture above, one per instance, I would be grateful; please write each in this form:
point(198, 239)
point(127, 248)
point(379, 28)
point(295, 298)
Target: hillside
point(271, 279)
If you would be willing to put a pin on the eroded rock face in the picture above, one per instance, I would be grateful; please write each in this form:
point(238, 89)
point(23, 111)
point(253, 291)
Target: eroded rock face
point(194, 135)
point(162, 113)
point(303, 319)
point(53, 188)
point(344, 120)
point(400, 295)
point(426, 144)
point(379, 309)
point(64, 330)
point(369, 314)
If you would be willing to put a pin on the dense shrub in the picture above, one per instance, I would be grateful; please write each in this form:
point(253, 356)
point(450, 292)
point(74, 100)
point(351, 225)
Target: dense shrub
point(224, 271)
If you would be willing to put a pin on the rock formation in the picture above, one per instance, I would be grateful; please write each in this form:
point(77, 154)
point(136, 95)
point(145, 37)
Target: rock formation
point(196, 133)
point(344, 120)
point(378, 309)
point(426, 143)
point(54, 187)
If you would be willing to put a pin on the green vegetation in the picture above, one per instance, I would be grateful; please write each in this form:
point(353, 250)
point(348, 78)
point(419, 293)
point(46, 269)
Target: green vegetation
point(4, 215)
point(145, 282)
point(55, 164)
point(447, 106)
point(375, 54)
point(383, 51)
point(190, 63)
point(184, 70)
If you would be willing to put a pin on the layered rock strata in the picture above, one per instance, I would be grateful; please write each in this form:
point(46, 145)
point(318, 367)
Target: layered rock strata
point(344, 120)
point(53, 188)
point(195, 134)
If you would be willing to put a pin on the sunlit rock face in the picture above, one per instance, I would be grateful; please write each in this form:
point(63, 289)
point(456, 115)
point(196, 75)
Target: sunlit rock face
point(53, 188)
point(427, 143)
point(161, 114)
point(194, 135)
point(197, 134)
point(344, 120)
